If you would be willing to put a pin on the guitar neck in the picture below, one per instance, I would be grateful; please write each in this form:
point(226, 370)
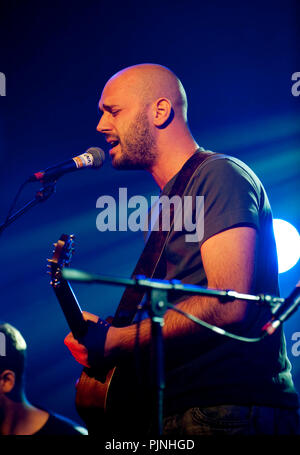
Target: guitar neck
point(70, 308)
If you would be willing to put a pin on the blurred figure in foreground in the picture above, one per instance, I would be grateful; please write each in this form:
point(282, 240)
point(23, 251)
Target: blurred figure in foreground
point(17, 415)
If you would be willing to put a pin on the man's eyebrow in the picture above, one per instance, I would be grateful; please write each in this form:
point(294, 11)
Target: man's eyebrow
point(108, 107)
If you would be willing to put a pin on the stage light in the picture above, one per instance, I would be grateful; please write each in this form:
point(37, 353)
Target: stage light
point(288, 244)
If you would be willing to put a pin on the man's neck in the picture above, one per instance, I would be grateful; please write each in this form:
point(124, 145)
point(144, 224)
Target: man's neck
point(21, 418)
point(170, 160)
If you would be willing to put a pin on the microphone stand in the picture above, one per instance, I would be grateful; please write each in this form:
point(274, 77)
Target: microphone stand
point(157, 291)
point(157, 309)
point(42, 195)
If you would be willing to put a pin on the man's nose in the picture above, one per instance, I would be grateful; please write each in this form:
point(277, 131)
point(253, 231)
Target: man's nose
point(103, 125)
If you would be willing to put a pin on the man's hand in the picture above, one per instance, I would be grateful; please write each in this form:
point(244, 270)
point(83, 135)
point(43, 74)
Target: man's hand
point(78, 351)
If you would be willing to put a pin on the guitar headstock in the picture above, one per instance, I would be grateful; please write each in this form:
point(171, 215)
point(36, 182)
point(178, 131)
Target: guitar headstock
point(62, 255)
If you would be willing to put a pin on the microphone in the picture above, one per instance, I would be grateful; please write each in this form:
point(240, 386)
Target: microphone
point(284, 311)
point(94, 157)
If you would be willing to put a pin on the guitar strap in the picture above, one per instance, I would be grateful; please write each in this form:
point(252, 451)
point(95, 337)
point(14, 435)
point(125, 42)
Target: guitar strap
point(151, 260)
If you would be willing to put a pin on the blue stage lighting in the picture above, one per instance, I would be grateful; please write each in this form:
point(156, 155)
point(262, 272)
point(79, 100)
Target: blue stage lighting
point(288, 244)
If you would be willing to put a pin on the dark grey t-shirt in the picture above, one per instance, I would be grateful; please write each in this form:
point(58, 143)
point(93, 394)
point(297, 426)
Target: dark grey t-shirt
point(225, 371)
point(58, 425)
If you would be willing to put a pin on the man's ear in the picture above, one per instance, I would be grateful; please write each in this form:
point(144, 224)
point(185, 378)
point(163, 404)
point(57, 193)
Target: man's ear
point(7, 381)
point(162, 112)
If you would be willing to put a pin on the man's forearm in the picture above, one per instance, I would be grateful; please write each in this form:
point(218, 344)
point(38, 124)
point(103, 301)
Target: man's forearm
point(122, 341)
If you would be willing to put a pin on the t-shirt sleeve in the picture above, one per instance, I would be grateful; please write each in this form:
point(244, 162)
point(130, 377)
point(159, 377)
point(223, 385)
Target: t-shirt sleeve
point(231, 196)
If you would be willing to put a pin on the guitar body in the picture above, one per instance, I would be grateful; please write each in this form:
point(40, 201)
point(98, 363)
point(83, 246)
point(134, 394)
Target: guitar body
point(117, 406)
point(91, 400)
point(92, 395)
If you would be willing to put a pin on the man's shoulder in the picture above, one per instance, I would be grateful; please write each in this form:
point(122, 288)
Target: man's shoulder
point(216, 161)
point(224, 169)
point(60, 425)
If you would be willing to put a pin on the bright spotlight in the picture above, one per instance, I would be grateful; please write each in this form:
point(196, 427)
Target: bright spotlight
point(288, 244)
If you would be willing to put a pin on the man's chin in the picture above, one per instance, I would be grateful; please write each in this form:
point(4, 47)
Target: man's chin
point(122, 163)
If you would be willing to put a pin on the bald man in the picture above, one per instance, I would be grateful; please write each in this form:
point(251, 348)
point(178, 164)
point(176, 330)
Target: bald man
point(214, 385)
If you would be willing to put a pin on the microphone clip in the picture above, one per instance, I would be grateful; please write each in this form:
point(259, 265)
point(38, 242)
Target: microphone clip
point(44, 193)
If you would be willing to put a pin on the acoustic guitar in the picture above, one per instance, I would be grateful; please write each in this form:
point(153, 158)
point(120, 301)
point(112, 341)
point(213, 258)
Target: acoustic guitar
point(103, 395)
point(91, 393)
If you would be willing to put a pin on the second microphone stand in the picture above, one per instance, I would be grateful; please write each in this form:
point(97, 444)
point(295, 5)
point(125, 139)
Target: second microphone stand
point(157, 306)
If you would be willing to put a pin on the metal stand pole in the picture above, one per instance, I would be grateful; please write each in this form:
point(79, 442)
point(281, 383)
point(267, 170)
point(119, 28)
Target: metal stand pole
point(158, 308)
point(42, 195)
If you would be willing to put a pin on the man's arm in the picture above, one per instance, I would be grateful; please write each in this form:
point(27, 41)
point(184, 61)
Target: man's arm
point(229, 263)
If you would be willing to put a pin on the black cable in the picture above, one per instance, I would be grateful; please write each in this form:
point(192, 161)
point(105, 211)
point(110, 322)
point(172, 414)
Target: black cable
point(215, 328)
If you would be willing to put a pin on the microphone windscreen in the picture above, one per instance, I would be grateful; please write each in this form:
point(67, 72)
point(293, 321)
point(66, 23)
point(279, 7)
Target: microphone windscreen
point(98, 156)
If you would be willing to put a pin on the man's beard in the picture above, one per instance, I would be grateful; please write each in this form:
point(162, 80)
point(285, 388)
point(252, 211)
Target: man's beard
point(137, 146)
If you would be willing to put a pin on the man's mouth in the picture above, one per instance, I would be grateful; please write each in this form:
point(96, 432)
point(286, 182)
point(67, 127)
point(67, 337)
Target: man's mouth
point(113, 144)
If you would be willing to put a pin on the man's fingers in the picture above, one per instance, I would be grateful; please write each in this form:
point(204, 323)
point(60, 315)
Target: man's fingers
point(69, 338)
point(90, 316)
point(78, 351)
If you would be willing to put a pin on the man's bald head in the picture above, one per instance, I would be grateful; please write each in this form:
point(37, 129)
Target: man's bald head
point(148, 82)
point(144, 117)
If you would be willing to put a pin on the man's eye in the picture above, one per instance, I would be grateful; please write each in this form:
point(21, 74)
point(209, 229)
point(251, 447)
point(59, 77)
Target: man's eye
point(114, 113)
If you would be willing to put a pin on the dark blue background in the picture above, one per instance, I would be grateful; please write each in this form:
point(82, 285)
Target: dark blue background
point(235, 60)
